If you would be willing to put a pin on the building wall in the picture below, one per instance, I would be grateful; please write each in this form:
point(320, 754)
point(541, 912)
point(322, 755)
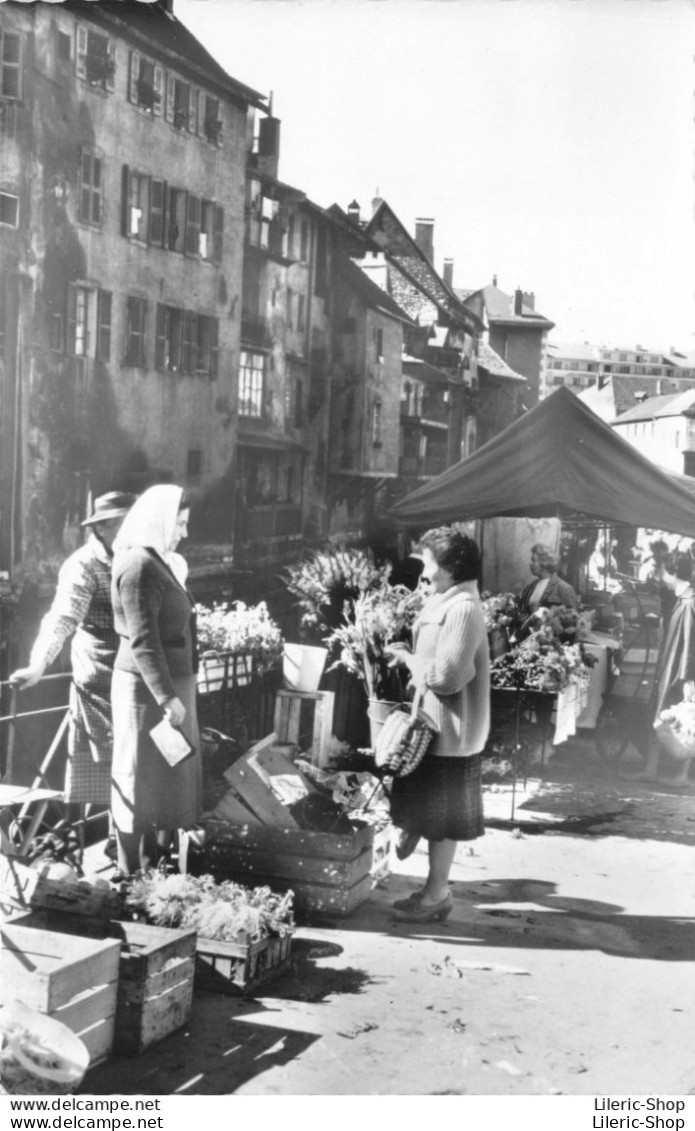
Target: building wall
point(96, 424)
point(664, 440)
point(524, 352)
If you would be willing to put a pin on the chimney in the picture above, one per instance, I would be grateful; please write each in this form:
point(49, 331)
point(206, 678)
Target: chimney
point(518, 300)
point(377, 201)
point(494, 280)
point(424, 236)
point(529, 299)
point(353, 212)
point(269, 146)
point(448, 272)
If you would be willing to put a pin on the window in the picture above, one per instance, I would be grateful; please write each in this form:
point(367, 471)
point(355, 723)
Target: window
point(90, 188)
point(261, 211)
point(301, 303)
point(290, 308)
point(210, 120)
point(193, 208)
point(251, 381)
point(376, 424)
point(95, 59)
point(9, 210)
point(378, 344)
point(194, 465)
point(55, 333)
point(211, 231)
point(136, 315)
point(78, 320)
point(298, 420)
point(304, 241)
point(64, 47)
point(168, 339)
point(205, 341)
point(11, 65)
point(136, 196)
point(179, 105)
point(186, 342)
point(289, 238)
point(146, 84)
point(103, 347)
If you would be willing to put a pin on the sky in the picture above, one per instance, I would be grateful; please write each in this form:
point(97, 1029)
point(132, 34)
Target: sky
point(552, 141)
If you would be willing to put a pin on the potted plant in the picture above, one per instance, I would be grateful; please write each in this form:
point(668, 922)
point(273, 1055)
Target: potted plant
point(235, 642)
point(148, 97)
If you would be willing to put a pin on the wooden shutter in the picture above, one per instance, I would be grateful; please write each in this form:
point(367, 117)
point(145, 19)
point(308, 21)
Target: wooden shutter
point(170, 96)
point(133, 77)
point(186, 342)
point(86, 186)
point(72, 319)
point(111, 56)
point(214, 347)
point(80, 51)
point(103, 350)
point(11, 65)
point(158, 84)
point(142, 313)
point(195, 111)
point(193, 207)
point(218, 241)
point(195, 352)
point(125, 200)
point(96, 190)
point(160, 337)
point(156, 225)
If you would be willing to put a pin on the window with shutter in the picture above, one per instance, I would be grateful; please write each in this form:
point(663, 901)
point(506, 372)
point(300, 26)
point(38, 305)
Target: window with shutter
point(160, 337)
point(193, 225)
point(138, 206)
point(90, 188)
point(218, 234)
point(158, 83)
point(78, 317)
point(95, 59)
point(207, 230)
point(157, 198)
point(170, 98)
point(11, 65)
point(214, 347)
point(103, 350)
point(136, 315)
point(134, 77)
point(186, 342)
point(176, 219)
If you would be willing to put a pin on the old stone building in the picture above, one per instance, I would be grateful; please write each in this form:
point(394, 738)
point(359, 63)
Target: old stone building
point(122, 194)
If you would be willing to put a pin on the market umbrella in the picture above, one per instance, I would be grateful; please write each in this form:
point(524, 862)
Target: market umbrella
point(562, 460)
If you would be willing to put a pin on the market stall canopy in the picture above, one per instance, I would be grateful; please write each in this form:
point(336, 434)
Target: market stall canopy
point(559, 459)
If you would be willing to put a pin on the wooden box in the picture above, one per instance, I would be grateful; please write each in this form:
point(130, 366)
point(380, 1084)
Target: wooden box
point(230, 967)
point(155, 976)
point(24, 888)
point(72, 979)
point(329, 874)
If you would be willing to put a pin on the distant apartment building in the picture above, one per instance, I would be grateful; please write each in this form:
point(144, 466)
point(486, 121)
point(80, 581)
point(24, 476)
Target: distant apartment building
point(578, 366)
point(122, 195)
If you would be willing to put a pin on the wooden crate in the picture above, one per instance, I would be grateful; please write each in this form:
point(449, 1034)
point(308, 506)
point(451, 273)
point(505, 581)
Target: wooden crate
point(22, 888)
point(155, 976)
point(329, 874)
point(289, 713)
point(237, 968)
point(72, 979)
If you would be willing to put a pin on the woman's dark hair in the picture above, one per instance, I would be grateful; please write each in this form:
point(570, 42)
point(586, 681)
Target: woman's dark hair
point(684, 567)
point(453, 551)
point(185, 504)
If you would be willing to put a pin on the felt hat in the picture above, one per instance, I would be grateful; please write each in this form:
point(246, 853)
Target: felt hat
point(115, 504)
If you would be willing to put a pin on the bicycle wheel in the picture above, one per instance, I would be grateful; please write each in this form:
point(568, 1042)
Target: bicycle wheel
point(612, 734)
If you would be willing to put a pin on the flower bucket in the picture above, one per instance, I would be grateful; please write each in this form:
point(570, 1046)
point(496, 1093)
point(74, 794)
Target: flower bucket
point(498, 640)
point(302, 667)
point(217, 670)
point(378, 711)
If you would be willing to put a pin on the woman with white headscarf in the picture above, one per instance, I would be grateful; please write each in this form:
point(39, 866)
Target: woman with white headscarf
point(154, 678)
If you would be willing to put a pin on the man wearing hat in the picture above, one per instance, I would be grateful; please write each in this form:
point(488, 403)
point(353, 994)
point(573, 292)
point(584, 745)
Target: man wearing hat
point(82, 609)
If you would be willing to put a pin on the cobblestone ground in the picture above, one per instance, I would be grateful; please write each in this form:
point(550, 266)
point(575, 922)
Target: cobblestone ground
point(566, 967)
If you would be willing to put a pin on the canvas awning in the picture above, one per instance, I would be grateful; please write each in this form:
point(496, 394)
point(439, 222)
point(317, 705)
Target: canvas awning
point(560, 459)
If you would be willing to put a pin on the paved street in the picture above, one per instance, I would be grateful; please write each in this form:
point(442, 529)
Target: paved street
point(566, 967)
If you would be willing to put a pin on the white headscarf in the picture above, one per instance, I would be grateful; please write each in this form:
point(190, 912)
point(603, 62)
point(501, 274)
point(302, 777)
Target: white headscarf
point(151, 522)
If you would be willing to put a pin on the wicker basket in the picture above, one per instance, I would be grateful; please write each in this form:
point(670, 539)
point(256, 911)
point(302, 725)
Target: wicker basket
point(680, 746)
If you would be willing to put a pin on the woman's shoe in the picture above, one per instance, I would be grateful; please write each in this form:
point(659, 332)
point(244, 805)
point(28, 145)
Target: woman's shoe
point(426, 913)
point(406, 844)
point(405, 904)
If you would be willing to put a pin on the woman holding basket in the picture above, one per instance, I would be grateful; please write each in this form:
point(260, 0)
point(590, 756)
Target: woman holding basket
point(441, 800)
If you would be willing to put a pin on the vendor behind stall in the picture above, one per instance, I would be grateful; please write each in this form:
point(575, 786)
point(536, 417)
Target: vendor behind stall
point(547, 588)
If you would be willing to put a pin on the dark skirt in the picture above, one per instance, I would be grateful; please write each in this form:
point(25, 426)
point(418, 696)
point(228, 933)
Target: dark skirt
point(441, 800)
point(146, 789)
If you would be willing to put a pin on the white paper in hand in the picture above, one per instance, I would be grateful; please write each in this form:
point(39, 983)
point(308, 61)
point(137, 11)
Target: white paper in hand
point(171, 742)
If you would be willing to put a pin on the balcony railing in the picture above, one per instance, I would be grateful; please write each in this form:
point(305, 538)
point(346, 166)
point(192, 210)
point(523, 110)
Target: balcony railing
point(255, 331)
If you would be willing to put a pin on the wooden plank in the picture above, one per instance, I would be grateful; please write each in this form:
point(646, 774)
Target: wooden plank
point(273, 762)
point(230, 808)
point(301, 842)
point(249, 862)
point(139, 1026)
point(178, 970)
point(99, 1040)
point(256, 796)
point(26, 887)
point(89, 1007)
point(323, 729)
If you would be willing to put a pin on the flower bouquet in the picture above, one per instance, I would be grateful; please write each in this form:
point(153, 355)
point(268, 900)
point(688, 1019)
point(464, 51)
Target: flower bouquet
point(503, 618)
point(325, 580)
point(548, 658)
